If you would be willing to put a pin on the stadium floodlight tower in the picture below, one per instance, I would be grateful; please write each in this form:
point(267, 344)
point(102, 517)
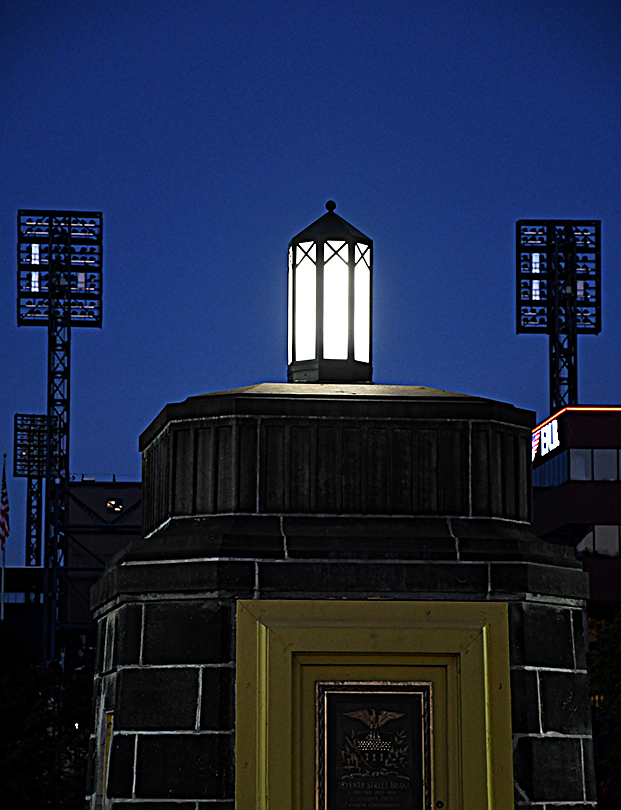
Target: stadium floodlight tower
point(330, 305)
point(29, 461)
point(558, 286)
point(59, 286)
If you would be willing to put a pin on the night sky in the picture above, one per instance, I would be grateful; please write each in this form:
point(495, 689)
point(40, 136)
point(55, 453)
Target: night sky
point(210, 133)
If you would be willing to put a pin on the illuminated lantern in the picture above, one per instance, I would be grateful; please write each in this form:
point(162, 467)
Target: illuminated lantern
point(330, 301)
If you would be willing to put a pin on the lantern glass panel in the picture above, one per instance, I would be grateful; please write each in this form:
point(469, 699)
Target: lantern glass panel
point(305, 301)
point(335, 300)
point(362, 304)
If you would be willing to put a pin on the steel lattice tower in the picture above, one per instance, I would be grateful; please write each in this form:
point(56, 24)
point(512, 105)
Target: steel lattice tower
point(29, 461)
point(558, 286)
point(59, 282)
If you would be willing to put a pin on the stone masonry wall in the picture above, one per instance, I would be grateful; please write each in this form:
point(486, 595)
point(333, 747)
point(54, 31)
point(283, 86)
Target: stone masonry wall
point(551, 720)
point(326, 492)
point(169, 677)
point(167, 655)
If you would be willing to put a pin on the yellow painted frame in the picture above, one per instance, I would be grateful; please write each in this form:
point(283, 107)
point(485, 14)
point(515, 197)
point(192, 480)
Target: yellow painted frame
point(284, 646)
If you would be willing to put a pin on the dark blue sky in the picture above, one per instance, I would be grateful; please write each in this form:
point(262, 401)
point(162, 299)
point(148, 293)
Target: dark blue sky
point(210, 133)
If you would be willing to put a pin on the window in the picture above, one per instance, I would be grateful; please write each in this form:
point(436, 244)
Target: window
point(600, 540)
point(605, 465)
point(580, 466)
point(607, 541)
point(585, 546)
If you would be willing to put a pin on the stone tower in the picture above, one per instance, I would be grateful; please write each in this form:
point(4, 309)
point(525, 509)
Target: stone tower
point(323, 495)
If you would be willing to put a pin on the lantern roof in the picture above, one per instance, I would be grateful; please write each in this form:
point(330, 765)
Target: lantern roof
point(329, 226)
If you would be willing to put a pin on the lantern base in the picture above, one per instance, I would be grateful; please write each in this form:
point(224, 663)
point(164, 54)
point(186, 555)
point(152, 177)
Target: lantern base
point(330, 371)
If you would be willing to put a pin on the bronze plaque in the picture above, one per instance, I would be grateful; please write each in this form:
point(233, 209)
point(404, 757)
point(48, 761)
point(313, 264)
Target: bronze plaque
point(373, 745)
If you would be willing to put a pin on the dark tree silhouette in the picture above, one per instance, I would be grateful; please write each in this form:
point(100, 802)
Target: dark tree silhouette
point(605, 677)
point(44, 731)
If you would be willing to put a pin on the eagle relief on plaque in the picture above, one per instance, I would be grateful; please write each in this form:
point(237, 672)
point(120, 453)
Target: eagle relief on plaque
point(373, 745)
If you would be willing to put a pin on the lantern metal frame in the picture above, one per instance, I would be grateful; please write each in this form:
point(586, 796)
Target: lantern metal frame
point(329, 235)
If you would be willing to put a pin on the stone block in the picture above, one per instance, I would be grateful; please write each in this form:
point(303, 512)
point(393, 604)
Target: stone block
point(549, 769)
point(187, 633)
point(589, 768)
point(522, 577)
point(337, 578)
point(121, 768)
point(129, 631)
point(446, 578)
point(186, 538)
point(218, 699)
point(555, 806)
point(183, 468)
point(369, 538)
point(100, 644)
point(371, 548)
point(247, 545)
point(524, 702)
point(485, 539)
point(155, 806)
point(157, 698)
point(580, 640)
point(184, 766)
point(565, 702)
point(110, 652)
point(498, 472)
point(215, 805)
point(541, 635)
point(108, 691)
point(187, 576)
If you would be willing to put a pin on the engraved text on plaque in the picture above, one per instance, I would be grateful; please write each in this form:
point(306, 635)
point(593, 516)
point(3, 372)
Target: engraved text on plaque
point(373, 745)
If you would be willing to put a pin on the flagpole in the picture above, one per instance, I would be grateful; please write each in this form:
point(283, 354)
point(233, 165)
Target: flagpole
point(3, 561)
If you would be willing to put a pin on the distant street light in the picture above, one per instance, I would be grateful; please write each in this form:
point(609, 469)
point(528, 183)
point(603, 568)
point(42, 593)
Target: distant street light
point(330, 301)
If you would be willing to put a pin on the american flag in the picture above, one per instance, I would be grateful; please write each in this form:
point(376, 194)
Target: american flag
point(4, 508)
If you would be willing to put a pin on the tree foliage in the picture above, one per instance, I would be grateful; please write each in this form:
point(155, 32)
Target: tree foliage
point(46, 715)
point(605, 669)
point(605, 682)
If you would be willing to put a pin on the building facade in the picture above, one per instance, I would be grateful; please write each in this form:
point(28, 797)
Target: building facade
point(577, 494)
point(577, 501)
